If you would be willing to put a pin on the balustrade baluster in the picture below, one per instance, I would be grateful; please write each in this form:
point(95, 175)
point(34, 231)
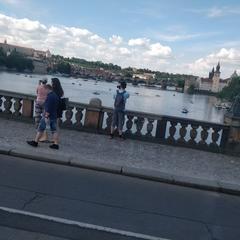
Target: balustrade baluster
point(8, 105)
point(172, 131)
point(109, 121)
point(215, 137)
point(139, 126)
point(78, 117)
point(68, 115)
point(193, 134)
point(17, 106)
point(204, 136)
point(149, 127)
point(182, 133)
point(129, 124)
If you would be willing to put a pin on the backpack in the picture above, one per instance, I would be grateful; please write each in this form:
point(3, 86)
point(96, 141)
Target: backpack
point(119, 103)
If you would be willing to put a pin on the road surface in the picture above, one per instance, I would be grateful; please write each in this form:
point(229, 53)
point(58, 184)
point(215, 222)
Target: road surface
point(119, 202)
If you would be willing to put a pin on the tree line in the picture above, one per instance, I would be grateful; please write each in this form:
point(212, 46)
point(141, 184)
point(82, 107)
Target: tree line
point(63, 65)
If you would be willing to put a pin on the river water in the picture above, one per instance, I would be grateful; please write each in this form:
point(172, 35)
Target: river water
point(142, 99)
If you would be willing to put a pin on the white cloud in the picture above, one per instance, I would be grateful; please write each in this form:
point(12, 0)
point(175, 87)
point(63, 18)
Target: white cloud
point(24, 24)
point(182, 36)
point(11, 2)
point(116, 39)
point(216, 12)
point(229, 59)
point(78, 32)
point(82, 43)
point(124, 51)
point(158, 50)
point(135, 52)
point(138, 42)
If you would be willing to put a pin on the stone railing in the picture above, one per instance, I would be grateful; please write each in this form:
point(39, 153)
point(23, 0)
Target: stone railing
point(142, 126)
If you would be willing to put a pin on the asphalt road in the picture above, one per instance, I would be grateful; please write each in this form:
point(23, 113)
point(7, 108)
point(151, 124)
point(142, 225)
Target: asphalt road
point(16, 234)
point(120, 202)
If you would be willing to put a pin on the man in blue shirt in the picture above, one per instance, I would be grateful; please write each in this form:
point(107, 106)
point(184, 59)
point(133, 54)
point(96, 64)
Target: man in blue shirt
point(120, 99)
point(49, 118)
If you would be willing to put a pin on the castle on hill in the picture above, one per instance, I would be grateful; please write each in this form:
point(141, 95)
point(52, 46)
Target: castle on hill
point(40, 58)
point(27, 52)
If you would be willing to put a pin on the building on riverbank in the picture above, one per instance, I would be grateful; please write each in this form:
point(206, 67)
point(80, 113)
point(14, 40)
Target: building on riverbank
point(27, 52)
point(213, 83)
point(148, 78)
point(38, 57)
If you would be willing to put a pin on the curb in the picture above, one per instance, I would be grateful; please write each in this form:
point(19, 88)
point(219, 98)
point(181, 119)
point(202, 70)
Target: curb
point(5, 149)
point(65, 228)
point(147, 174)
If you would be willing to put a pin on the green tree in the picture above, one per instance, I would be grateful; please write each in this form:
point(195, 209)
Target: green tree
point(232, 90)
point(18, 61)
point(64, 67)
point(29, 65)
point(180, 83)
point(3, 57)
point(191, 89)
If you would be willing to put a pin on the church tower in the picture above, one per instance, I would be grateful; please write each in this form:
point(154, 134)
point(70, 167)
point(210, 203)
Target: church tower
point(216, 79)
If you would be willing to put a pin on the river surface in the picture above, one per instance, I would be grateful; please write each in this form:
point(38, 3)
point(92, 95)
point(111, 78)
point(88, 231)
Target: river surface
point(142, 99)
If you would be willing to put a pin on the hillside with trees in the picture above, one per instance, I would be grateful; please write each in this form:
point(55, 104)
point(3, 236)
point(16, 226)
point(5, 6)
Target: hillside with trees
point(61, 65)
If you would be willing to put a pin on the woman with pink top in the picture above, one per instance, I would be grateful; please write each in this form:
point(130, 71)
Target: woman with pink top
point(41, 97)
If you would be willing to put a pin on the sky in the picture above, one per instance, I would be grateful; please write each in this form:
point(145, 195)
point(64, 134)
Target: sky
point(177, 36)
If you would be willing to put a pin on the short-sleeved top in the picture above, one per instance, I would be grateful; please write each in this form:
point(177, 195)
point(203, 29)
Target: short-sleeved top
point(51, 105)
point(125, 96)
point(41, 93)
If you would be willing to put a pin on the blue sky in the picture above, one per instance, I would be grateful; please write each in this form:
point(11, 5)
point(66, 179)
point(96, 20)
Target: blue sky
point(176, 36)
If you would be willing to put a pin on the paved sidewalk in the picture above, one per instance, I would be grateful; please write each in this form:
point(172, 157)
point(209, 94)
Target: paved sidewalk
point(141, 159)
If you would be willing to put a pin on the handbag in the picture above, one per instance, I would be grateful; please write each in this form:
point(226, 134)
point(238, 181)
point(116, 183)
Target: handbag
point(63, 103)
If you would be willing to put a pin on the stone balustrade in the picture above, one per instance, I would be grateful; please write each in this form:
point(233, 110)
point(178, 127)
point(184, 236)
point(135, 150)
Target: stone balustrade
point(138, 125)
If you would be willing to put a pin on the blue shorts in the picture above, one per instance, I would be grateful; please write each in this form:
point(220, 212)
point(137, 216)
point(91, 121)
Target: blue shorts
point(42, 125)
point(118, 119)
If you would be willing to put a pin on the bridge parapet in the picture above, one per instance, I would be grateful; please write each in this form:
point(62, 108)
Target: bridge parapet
point(96, 118)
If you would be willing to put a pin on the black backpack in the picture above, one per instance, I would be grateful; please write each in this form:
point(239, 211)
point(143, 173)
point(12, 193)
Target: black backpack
point(119, 103)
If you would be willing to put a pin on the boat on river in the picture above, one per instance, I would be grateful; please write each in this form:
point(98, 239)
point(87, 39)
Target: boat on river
point(184, 110)
point(218, 106)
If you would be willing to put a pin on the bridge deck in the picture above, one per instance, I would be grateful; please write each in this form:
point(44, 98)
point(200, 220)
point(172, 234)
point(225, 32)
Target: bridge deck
point(170, 161)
